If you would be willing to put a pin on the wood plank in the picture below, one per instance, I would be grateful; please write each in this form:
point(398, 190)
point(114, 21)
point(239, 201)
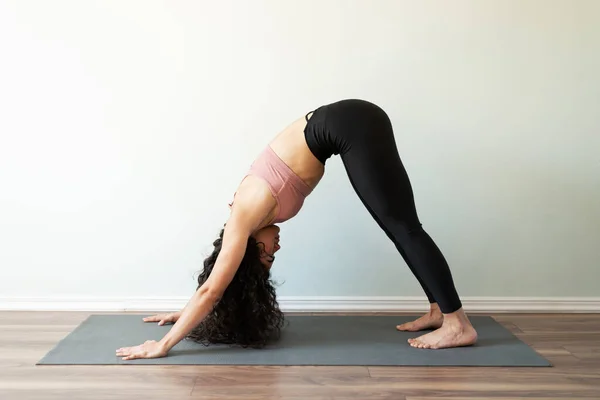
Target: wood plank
point(383, 390)
point(107, 393)
point(514, 375)
point(549, 323)
point(488, 398)
point(297, 392)
point(428, 382)
point(560, 339)
point(22, 355)
point(97, 377)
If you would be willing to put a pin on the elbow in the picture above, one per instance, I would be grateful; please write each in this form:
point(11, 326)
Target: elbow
point(210, 294)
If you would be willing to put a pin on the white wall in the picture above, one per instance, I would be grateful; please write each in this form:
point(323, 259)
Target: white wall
point(126, 127)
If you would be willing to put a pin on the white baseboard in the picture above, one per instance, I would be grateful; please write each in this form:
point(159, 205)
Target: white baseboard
point(418, 304)
point(310, 304)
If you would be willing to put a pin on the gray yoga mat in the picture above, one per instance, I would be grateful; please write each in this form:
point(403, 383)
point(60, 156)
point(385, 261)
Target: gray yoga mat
point(306, 340)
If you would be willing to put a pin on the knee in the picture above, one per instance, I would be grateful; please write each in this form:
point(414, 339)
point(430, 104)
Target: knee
point(412, 228)
point(406, 231)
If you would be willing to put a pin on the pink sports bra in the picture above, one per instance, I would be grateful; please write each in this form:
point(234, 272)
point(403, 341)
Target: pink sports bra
point(288, 189)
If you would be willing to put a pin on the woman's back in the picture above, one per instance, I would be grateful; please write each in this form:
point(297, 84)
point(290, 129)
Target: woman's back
point(288, 169)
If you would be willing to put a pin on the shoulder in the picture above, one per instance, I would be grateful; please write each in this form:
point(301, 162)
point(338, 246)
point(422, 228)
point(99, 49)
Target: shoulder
point(253, 202)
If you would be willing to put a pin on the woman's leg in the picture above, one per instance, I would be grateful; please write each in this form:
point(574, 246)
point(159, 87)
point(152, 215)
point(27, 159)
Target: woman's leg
point(376, 172)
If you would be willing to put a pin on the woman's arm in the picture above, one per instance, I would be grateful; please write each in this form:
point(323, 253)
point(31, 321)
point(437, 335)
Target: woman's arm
point(248, 213)
point(235, 240)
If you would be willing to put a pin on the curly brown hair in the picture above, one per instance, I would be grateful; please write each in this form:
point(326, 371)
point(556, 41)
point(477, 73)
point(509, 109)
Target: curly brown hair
point(247, 314)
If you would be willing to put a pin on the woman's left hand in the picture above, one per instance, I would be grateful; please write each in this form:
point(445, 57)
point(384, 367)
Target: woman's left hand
point(150, 349)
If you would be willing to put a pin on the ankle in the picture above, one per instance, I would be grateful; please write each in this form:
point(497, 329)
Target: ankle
point(434, 309)
point(456, 318)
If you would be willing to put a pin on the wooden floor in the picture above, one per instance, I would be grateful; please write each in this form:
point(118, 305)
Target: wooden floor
point(570, 342)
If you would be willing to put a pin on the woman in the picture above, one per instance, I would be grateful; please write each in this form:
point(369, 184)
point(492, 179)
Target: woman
point(235, 301)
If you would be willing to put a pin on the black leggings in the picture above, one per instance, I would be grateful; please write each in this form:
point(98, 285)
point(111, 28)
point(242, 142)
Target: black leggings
point(361, 133)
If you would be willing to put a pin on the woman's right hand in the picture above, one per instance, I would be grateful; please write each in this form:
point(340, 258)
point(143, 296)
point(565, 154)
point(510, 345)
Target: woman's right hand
point(163, 318)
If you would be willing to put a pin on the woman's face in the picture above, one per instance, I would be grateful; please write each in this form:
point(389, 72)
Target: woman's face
point(268, 243)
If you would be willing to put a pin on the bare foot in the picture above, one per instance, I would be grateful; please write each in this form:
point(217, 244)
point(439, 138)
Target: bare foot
point(432, 320)
point(456, 331)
